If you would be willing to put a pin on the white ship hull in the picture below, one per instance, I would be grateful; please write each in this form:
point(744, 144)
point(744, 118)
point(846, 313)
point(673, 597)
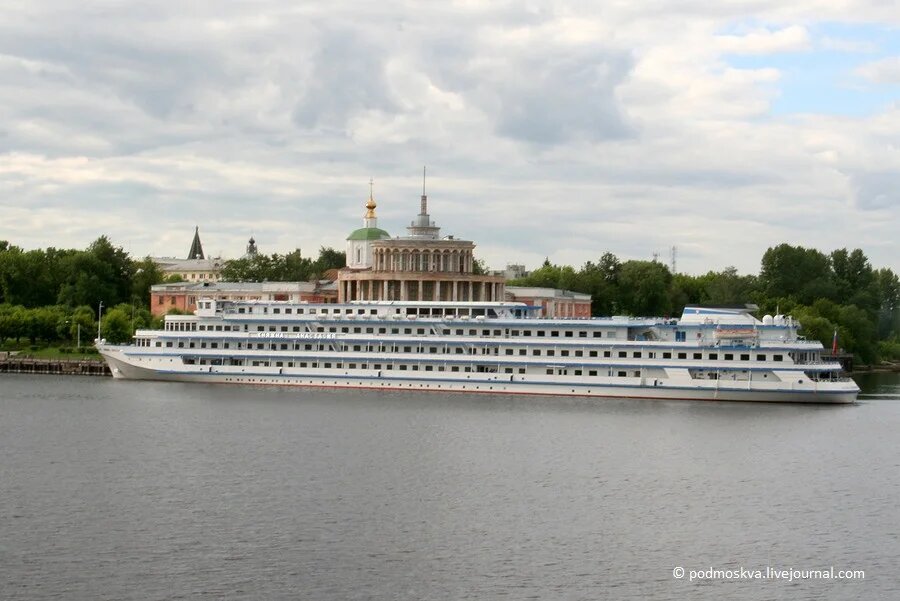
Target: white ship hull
point(626, 388)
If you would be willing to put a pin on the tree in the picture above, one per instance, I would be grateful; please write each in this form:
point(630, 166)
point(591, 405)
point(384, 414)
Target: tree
point(146, 274)
point(644, 288)
point(116, 326)
point(804, 274)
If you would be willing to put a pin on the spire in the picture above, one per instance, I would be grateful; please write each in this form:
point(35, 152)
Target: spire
point(196, 251)
point(370, 205)
point(424, 207)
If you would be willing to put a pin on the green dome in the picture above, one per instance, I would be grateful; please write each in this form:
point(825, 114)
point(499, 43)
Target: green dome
point(369, 233)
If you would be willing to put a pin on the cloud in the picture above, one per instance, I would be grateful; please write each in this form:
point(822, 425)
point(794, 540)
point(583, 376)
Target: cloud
point(794, 38)
point(877, 190)
point(551, 129)
point(885, 71)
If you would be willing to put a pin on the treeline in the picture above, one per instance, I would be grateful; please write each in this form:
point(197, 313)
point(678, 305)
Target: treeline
point(290, 267)
point(50, 295)
point(826, 292)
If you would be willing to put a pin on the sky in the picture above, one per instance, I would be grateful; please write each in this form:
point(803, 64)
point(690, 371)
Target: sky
point(550, 129)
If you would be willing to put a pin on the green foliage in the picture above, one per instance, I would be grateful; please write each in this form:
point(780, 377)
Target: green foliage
point(116, 326)
point(291, 267)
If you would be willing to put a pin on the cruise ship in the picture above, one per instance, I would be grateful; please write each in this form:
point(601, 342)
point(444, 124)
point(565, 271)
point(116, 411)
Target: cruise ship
point(709, 353)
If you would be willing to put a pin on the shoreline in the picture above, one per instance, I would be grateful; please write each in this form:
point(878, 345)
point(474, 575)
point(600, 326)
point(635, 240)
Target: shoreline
point(64, 367)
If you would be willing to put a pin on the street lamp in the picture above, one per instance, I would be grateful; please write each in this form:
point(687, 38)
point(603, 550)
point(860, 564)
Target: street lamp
point(99, 318)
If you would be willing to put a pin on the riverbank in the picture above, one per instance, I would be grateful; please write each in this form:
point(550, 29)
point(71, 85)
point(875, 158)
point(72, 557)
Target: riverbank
point(16, 364)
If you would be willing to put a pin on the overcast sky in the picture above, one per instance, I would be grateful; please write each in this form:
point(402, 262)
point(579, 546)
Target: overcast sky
point(560, 129)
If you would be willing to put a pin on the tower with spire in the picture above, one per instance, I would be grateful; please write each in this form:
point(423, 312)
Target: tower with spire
point(196, 251)
point(359, 243)
point(422, 227)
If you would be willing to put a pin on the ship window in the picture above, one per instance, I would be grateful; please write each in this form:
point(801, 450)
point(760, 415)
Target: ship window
point(284, 328)
point(729, 357)
point(579, 353)
point(667, 355)
point(582, 334)
point(356, 348)
point(382, 330)
point(271, 328)
point(550, 371)
point(498, 332)
point(541, 333)
point(554, 334)
point(351, 366)
point(288, 310)
point(536, 352)
point(577, 372)
point(454, 368)
point(296, 328)
point(637, 374)
point(521, 370)
point(713, 356)
point(514, 333)
point(606, 354)
point(592, 372)
point(241, 310)
point(356, 330)
point(299, 311)
point(698, 355)
point(213, 345)
point(180, 345)
point(473, 332)
point(303, 364)
point(402, 368)
point(551, 353)
point(283, 347)
point(623, 354)
point(777, 358)
point(168, 345)
point(276, 310)
point(592, 353)
point(218, 328)
point(637, 354)
point(279, 364)
point(509, 351)
point(507, 370)
point(526, 333)
point(191, 345)
point(327, 365)
point(332, 329)
point(260, 328)
point(568, 334)
point(523, 351)
point(564, 353)
point(745, 357)
point(432, 349)
point(682, 355)
point(420, 331)
point(622, 374)
point(259, 345)
point(760, 357)
point(459, 351)
point(407, 349)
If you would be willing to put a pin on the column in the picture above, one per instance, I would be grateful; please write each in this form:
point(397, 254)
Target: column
point(455, 295)
point(470, 292)
point(384, 290)
point(437, 290)
point(403, 290)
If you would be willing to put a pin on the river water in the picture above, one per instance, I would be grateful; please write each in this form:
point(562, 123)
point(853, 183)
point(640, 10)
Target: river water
point(141, 490)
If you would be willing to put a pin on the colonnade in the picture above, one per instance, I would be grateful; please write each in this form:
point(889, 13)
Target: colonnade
point(422, 259)
point(421, 290)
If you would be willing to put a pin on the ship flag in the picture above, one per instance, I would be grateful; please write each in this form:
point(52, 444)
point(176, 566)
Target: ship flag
point(834, 347)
